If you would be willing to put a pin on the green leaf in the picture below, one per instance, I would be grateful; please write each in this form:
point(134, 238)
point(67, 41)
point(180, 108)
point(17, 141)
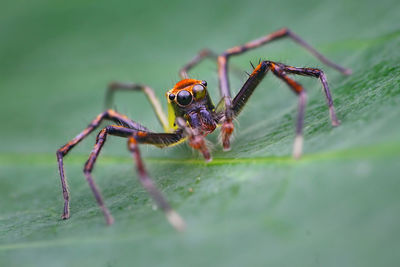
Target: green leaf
point(251, 206)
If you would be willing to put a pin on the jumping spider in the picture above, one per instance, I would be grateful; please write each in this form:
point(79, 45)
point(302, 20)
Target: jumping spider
point(192, 116)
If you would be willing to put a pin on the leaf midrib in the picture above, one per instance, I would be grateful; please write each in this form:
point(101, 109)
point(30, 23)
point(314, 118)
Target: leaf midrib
point(381, 150)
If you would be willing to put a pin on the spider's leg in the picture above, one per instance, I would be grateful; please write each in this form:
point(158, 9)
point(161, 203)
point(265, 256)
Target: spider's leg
point(316, 73)
point(142, 137)
point(173, 217)
point(100, 140)
point(241, 98)
point(225, 92)
point(203, 54)
point(120, 86)
point(280, 71)
point(299, 90)
point(63, 151)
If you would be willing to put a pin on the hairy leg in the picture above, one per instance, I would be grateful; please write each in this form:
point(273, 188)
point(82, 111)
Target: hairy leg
point(172, 216)
point(281, 71)
point(134, 136)
point(227, 127)
point(203, 54)
point(63, 151)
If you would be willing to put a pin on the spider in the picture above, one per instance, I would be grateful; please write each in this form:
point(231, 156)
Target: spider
point(192, 116)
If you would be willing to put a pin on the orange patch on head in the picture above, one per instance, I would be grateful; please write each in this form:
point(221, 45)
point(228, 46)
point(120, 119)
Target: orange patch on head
point(186, 84)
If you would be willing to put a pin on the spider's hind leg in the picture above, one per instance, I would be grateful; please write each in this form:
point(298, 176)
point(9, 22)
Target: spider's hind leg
point(203, 54)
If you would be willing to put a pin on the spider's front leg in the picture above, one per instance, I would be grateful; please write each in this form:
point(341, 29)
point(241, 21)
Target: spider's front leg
point(281, 70)
point(227, 126)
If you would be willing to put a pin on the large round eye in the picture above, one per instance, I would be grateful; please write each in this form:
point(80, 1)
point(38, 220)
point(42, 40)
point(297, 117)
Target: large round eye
point(184, 98)
point(199, 91)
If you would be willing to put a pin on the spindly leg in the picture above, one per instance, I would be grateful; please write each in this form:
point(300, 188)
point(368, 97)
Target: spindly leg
point(203, 54)
point(227, 126)
point(100, 140)
point(120, 86)
point(280, 71)
point(173, 217)
point(316, 73)
point(134, 137)
point(259, 72)
point(63, 151)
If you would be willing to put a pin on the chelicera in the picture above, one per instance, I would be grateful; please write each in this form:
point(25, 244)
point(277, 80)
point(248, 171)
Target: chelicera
point(192, 115)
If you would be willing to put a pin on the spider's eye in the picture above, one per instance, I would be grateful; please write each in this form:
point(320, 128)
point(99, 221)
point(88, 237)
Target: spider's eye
point(184, 98)
point(204, 83)
point(171, 97)
point(199, 91)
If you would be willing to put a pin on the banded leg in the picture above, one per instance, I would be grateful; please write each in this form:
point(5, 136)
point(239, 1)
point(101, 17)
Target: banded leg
point(119, 86)
point(280, 71)
point(223, 71)
point(134, 137)
point(63, 151)
point(173, 217)
point(316, 73)
point(100, 140)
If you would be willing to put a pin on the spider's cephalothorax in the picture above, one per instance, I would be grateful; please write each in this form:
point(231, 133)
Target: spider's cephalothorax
point(190, 100)
point(192, 115)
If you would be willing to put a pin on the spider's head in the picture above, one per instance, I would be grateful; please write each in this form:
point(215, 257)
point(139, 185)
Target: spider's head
point(190, 100)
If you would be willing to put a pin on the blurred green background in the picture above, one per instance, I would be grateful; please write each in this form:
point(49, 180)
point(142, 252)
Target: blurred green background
point(254, 205)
